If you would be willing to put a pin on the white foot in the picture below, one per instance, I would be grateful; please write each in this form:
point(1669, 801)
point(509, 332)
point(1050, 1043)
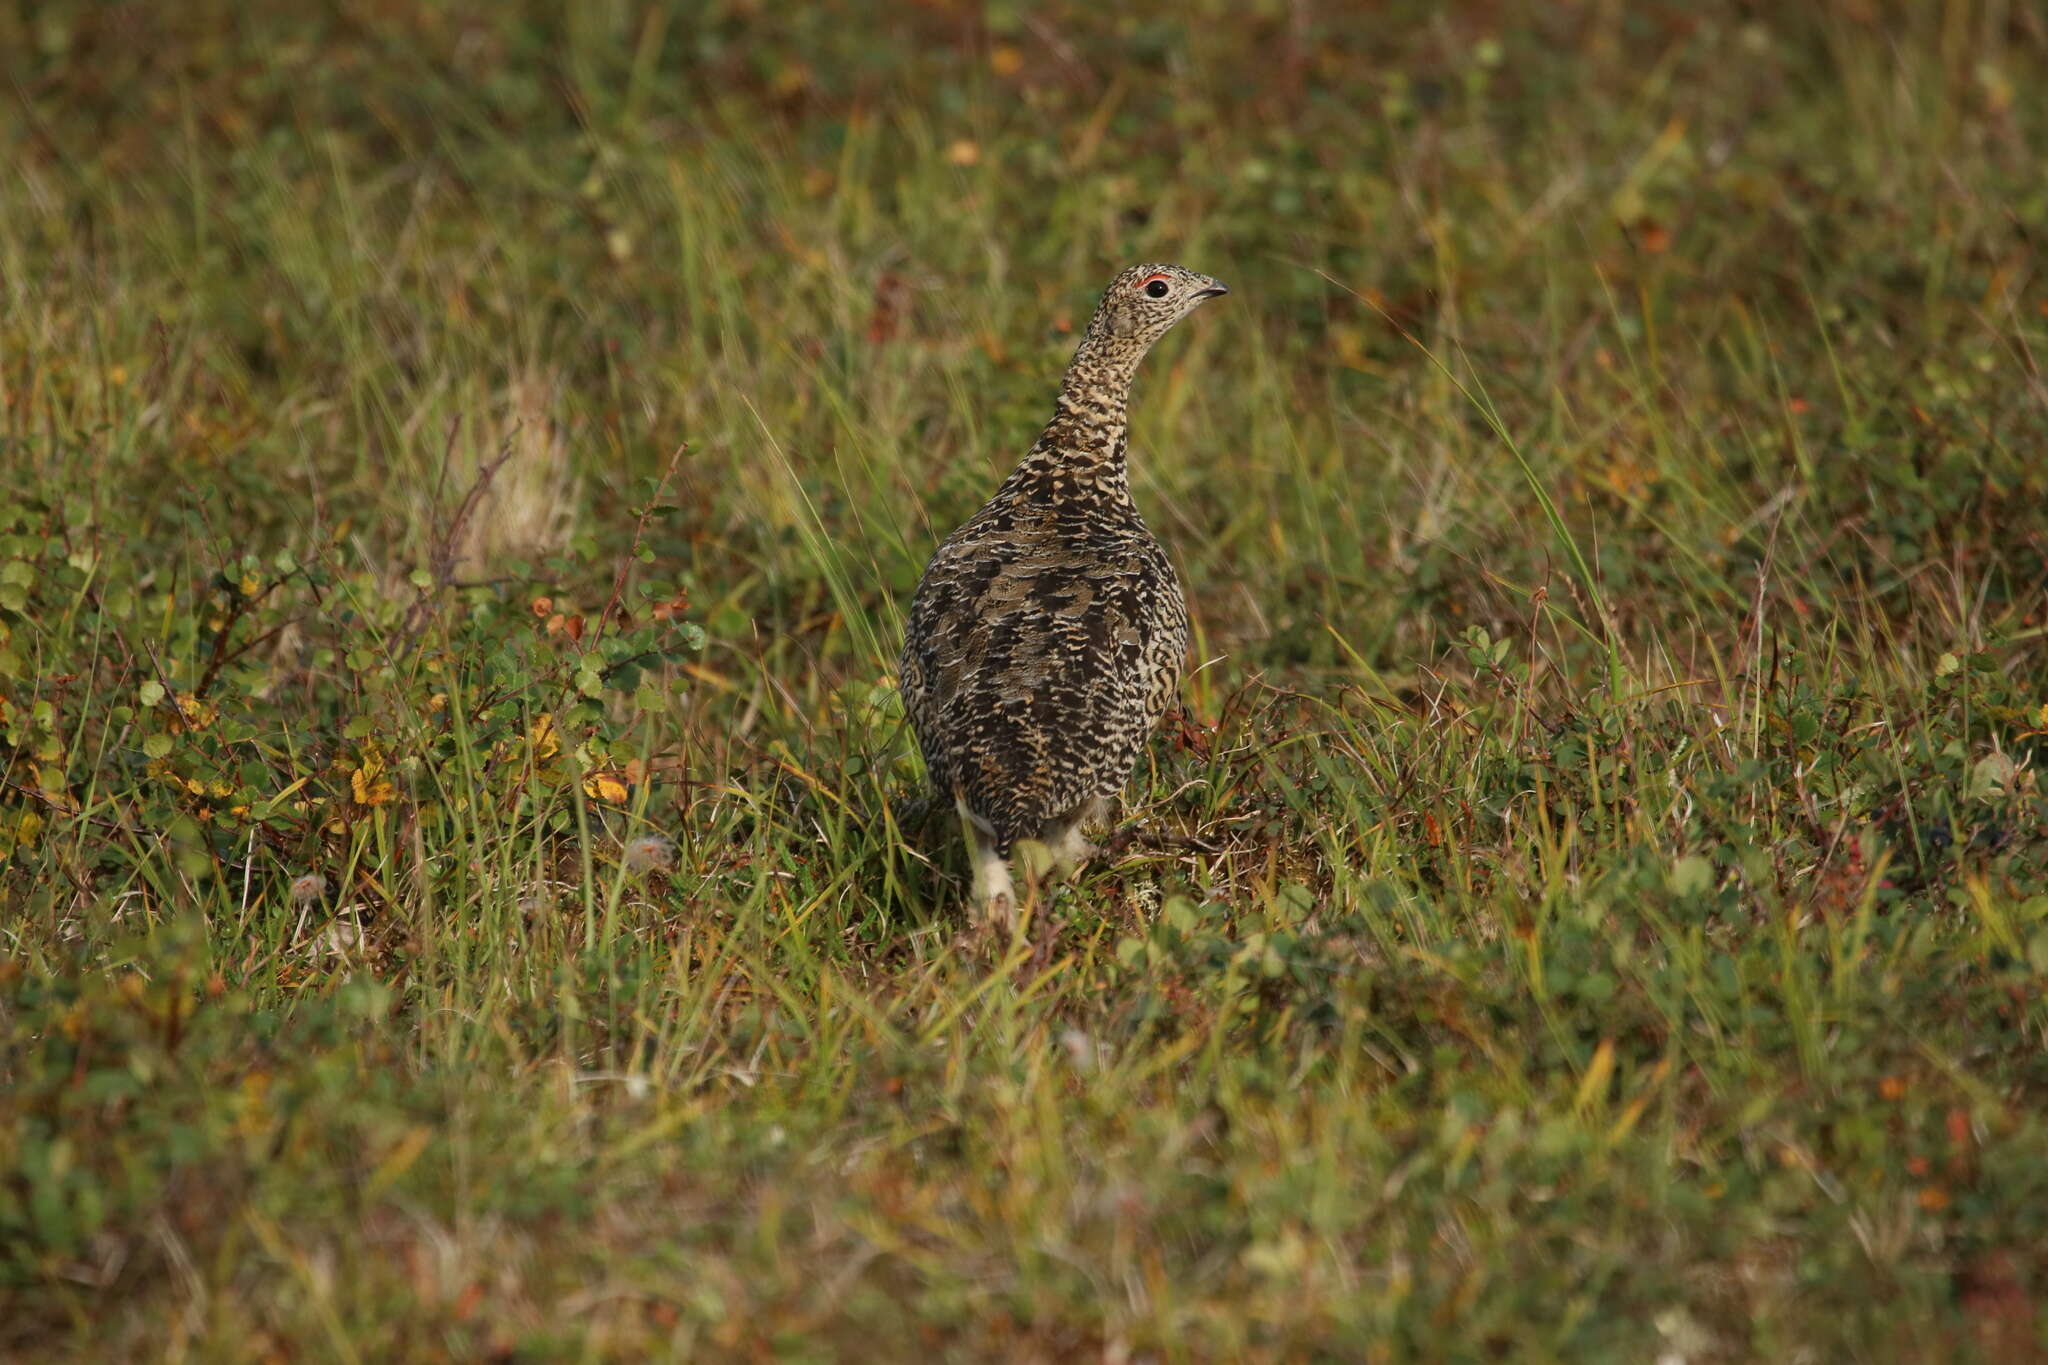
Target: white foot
point(1067, 846)
point(995, 898)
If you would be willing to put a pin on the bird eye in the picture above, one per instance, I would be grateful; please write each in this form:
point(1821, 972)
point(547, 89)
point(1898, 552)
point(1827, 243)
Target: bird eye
point(1157, 289)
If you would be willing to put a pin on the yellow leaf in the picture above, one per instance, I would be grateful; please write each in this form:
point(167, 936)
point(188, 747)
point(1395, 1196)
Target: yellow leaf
point(541, 736)
point(370, 789)
point(603, 786)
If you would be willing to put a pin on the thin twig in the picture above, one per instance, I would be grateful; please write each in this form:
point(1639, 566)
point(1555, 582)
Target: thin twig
point(447, 546)
point(639, 532)
point(64, 807)
point(219, 658)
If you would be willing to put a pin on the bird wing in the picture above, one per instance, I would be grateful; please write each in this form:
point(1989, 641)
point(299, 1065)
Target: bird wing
point(1036, 665)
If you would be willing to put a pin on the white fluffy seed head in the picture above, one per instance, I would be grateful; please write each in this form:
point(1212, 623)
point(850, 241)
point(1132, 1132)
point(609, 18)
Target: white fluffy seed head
point(649, 853)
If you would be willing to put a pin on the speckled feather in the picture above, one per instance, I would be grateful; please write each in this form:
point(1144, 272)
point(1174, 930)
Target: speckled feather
point(1048, 635)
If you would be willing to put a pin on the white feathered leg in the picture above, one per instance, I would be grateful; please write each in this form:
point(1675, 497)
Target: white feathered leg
point(995, 898)
point(1069, 847)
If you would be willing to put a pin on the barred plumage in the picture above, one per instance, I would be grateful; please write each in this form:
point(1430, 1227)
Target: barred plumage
point(1049, 635)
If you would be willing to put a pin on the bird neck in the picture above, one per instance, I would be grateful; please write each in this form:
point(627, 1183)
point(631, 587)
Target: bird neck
point(1085, 441)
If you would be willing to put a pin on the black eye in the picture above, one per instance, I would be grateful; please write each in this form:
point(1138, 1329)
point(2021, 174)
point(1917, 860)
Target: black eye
point(1157, 289)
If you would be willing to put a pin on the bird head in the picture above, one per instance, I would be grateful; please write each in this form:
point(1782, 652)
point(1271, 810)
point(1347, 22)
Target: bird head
point(1144, 301)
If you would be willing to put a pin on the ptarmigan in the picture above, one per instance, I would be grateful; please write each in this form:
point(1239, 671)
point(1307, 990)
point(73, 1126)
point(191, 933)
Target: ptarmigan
point(1048, 635)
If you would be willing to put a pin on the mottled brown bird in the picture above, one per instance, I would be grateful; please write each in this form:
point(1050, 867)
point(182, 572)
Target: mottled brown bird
point(1049, 635)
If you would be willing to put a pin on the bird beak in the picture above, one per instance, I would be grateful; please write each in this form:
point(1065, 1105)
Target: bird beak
point(1215, 288)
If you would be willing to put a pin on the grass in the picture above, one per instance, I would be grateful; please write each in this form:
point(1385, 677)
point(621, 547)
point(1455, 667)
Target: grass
point(465, 466)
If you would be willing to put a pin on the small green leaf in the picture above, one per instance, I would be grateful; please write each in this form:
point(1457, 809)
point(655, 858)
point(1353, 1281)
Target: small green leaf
point(150, 693)
point(1692, 875)
point(1992, 777)
point(156, 746)
point(1293, 901)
